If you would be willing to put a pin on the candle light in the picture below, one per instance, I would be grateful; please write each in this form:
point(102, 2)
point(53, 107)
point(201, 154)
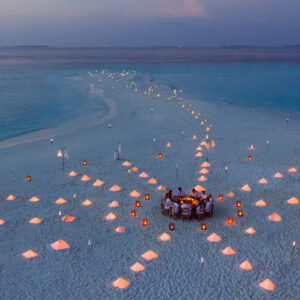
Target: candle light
point(220, 198)
point(145, 222)
point(203, 226)
point(230, 221)
point(171, 226)
point(28, 178)
point(249, 157)
point(133, 213)
point(238, 204)
point(84, 162)
point(240, 213)
point(147, 196)
point(159, 155)
point(137, 203)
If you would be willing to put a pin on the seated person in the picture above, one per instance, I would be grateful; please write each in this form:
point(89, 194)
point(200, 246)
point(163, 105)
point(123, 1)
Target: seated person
point(180, 193)
point(194, 194)
point(168, 203)
point(186, 209)
point(176, 207)
point(203, 195)
point(210, 198)
point(208, 206)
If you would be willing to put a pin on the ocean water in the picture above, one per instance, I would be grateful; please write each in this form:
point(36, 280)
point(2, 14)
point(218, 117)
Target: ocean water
point(269, 85)
point(37, 89)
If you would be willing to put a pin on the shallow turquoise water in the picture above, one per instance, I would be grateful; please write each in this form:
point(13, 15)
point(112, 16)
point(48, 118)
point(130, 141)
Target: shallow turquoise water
point(271, 85)
point(41, 94)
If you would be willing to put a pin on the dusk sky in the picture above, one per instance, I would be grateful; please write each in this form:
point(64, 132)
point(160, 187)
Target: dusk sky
point(149, 22)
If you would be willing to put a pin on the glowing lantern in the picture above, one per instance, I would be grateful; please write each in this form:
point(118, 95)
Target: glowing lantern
point(275, 217)
point(110, 217)
point(251, 147)
point(203, 226)
point(85, 178)
point(203, 171)
point(228, 251)
point(28, 178)
point(202, 123)
point(168, 144)
point(230, 221)
point(59, 153)
point(145, 222)
point(249, 157)
point(206, 164)
point(214, 238)
point(60, 245)
point(84, 162)
point(267, 285)
point(220, 197)
point(263, 181)
point(159, 155)
point(126, 163)
point(60, 201)
point(143, 175)
point(199, 154)
point(135, 194)
point(261, 202)
point(246, 265)
point(240, 213)
point(292, 170)
point(121, 283)
point(134, 169)
point(194, 137)
point(293, 200)
point(137, 203)
point(120, 229)
point(115, 188)
point(213, 144)
point(2, 222)
point(199, 148)
point(230, 194)
point(162, 188)
point(238, 203)
point(137, 267)
point(149, 255)
point(114, 204)
point(87, 202)
point(72, 174)
point(250, 230)
point(68, 218)
point(34, 199)
point(278, 175)
point(133, 213)
point(147, 196)
point(152, 181)
point(11, 198)
point(199, 188)
point(29, 254)
point(164, 237)
point(246, 188)
point(171, 226)
point(35, 221)
point(98, 183)
point(202, 178)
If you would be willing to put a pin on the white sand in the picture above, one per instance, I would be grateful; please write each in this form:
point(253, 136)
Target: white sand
point(176, 273)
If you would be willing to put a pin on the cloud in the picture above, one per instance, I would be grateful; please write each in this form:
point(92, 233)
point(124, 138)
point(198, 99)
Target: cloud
point(189, 8)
